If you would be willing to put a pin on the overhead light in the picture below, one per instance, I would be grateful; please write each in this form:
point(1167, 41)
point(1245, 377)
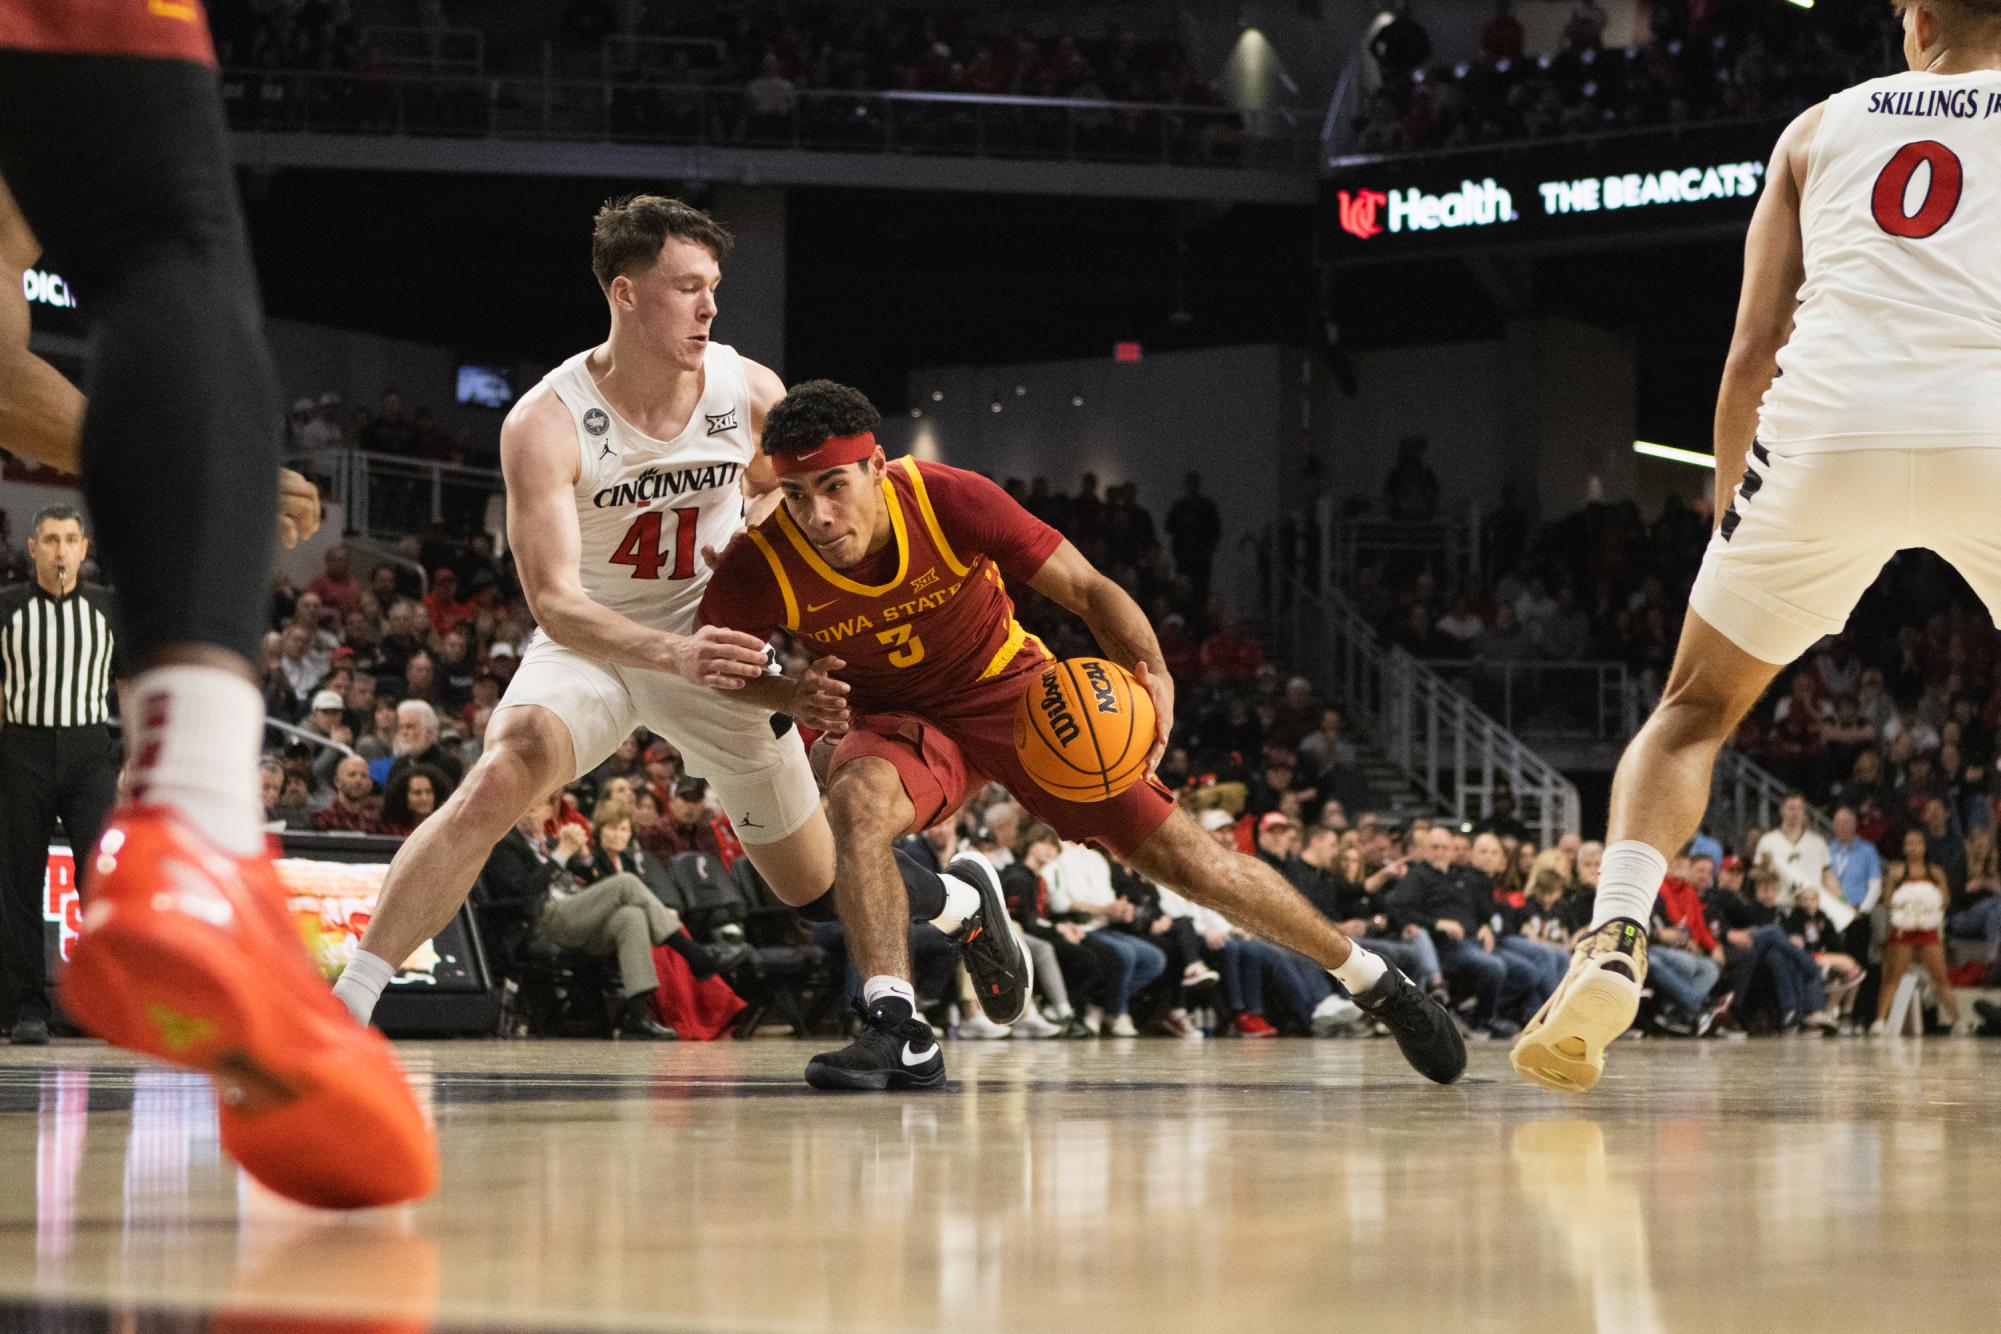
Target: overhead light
point(1020, 390)
point(1803, 4)
point(937, 395)
point(1674, 455)
point(1076, 400)
point(916, 412)
point(995, 406)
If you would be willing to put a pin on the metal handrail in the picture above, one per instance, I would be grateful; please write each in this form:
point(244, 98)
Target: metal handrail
point(1343, 161)
point(353, 476)
point(1438, 737)
point(1743, 794)
point(638, 110)
point(416, 48)
point(1604, 693)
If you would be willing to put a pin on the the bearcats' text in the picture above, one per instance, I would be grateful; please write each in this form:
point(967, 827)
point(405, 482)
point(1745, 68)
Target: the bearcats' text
point(652, 484)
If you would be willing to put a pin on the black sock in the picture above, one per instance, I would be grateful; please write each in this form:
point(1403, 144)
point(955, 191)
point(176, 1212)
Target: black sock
point(700, 962)
point(925, 887)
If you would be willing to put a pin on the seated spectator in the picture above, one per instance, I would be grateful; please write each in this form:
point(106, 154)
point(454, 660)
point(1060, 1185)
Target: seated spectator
point(1794, 852)
point(1080, 889)
point(1324, 747)
point(1432, 897)
point(1811, 930)
point(1064, 967)
point(535, 882)
point(415, 793)
point(1976, 909)
point(378, 744)
point(1760, 962)
point(1231, 655)
point(417, 742)
point(687, 825)
point(1460, 626)
point(355, 808)
point(617, 853)
point(1544, 964)
point(1684, 961)
point(336, 586)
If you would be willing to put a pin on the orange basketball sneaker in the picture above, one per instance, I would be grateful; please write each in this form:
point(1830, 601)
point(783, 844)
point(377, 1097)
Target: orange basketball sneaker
point(187, 954)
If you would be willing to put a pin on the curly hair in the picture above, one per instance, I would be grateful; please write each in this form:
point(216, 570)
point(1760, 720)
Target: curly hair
point(396, 813)
point(812, 411)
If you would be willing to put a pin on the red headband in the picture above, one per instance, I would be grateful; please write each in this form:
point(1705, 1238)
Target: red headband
point(833, 452)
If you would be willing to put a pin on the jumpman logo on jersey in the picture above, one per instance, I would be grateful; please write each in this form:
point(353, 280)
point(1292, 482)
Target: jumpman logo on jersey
point(606, 452)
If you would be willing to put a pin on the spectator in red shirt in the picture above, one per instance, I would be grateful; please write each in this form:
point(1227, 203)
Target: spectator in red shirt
point(686, 826)
point(1685, 960)
point(337, 586)
point(355, 808)
point(1231, 654)
point(442, 602)
point(1178, 648)
point(1502, 38)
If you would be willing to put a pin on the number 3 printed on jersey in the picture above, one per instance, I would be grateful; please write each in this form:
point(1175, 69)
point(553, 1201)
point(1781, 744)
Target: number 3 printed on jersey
point(1942, 190)
point(640, 547)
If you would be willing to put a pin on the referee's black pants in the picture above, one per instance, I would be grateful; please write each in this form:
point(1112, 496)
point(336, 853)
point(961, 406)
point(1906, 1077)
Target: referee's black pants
point(47, 774)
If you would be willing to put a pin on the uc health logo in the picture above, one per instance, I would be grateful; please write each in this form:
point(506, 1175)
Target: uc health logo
point(1358, 212)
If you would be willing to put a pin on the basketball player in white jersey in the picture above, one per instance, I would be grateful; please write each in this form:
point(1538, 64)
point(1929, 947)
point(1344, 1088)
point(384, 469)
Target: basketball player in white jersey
point(623, 466)
point(1859, 414)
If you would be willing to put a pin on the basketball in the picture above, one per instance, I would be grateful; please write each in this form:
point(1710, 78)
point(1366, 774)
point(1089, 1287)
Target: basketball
point(1083, 729)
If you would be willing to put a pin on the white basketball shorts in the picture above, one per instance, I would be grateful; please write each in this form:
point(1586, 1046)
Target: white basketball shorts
point(1809, 529)
point(764, 782)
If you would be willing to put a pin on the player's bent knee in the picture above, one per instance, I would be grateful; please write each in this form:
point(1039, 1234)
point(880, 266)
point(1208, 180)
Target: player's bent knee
point(867, 797)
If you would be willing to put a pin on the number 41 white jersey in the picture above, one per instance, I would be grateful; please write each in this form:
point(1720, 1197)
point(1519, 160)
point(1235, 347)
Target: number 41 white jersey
point(647, 507)
point(1897, 342)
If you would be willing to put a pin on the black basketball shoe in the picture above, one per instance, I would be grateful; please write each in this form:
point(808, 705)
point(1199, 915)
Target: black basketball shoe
point(895, 1050)
point(1424, 1032)
point(1003, 976)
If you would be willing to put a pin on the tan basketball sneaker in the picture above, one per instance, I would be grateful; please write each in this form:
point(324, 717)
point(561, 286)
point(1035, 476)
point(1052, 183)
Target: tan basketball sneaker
point(1563, 1047)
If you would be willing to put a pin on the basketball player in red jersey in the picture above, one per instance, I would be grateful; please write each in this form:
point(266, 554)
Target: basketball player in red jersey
point(896, 574)
point(115, 151)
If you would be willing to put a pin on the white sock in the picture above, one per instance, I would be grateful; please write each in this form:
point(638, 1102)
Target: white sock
point(882, 986)
point(961, 902)
point(194, 735)
point(1362, 971)
point(1629, 879)
point(361, 983)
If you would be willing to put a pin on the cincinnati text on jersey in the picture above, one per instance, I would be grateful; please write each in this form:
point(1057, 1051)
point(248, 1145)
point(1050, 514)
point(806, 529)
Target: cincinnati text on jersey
point(654, 483)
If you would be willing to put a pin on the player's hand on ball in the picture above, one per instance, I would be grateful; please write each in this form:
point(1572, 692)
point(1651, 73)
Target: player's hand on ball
point(1161, 687)
point(714, 656)
point(821, 702)
point(298, 508)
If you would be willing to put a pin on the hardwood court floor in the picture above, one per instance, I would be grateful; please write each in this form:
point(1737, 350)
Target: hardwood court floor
point(1102, 1187)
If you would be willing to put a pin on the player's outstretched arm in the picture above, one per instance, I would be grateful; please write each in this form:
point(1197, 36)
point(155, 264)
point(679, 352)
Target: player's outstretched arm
point(41, 412)
point(1118, 624)
point(760, 479)
point(1774, 268)
point(538, 456)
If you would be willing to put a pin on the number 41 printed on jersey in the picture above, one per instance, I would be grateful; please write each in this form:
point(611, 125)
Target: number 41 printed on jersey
point(640, 547)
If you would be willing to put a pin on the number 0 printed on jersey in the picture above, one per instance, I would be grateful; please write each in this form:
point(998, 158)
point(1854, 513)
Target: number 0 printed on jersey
point(1944, 182)
point(640, 547)
point(909, 648)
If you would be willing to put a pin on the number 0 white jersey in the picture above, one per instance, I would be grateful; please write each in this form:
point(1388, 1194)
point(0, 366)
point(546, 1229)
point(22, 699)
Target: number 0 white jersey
point(1897, 343)
point(646, 507)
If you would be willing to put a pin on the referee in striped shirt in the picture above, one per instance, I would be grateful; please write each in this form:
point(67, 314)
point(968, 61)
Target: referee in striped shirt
point(58, 759)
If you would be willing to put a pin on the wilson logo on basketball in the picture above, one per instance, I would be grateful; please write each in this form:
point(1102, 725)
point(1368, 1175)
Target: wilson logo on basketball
point(1056, 709)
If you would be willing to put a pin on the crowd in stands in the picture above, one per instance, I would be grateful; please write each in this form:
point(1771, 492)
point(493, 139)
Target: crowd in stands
point(1697, 61)
point(752, 72)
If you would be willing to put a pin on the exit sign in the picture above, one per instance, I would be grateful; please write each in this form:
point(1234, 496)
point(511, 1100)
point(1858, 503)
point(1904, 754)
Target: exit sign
point(1125, 351)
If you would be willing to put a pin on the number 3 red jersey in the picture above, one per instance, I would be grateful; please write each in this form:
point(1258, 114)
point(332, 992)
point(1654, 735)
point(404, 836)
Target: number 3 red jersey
point(919, 621)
